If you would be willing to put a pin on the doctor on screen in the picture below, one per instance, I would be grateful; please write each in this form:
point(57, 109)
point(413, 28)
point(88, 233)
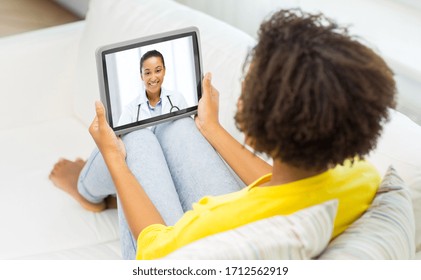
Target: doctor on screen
point(155, 100)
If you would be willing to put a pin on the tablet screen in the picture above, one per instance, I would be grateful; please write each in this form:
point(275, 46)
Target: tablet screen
point(150, 80)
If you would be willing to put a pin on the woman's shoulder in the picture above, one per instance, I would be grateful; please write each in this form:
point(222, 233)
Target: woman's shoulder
point(358, 165)
point(358, 170)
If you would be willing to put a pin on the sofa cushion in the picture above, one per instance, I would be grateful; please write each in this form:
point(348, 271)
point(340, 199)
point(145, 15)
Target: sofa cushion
point(302, 235)
point(224, 47)
point(399, 145)
point(39, 220)
point(385, 231)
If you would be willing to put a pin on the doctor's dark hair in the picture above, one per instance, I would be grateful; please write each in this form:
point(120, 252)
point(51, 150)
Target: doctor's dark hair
point(313, 96)
point(149, 54)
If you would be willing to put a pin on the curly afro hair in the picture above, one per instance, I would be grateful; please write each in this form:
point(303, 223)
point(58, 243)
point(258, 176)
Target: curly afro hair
point(313, 96)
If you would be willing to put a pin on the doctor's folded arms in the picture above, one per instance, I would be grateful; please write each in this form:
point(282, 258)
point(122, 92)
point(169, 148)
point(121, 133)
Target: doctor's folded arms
point(314, 99)
point(155, 100)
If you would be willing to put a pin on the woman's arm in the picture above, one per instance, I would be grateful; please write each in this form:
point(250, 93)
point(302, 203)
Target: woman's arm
point(245, 164)
point(138, 208)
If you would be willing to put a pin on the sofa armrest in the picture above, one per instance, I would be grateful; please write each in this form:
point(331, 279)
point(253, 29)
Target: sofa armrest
point(37, 73)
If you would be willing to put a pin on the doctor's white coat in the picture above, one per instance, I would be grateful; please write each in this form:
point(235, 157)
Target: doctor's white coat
point(130, 111)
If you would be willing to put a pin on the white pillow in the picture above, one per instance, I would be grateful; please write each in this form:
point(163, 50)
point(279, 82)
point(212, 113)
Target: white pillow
point(385, 231)
point(302, 235)
point(224, 48)
point(400, 146)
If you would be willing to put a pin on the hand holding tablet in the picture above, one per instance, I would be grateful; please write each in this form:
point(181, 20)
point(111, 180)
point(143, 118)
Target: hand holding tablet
point(150, 80)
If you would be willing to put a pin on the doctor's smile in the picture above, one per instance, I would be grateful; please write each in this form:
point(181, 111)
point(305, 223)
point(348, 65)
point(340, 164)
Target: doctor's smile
point(152, 74)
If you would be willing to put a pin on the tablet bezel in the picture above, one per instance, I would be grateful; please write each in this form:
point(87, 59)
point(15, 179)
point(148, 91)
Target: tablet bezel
point(141, 42)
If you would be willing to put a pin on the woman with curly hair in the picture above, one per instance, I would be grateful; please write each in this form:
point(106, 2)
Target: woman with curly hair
point(314, 99)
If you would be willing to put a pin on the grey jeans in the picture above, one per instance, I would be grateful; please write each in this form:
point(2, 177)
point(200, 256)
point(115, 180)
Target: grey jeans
point(174, 164)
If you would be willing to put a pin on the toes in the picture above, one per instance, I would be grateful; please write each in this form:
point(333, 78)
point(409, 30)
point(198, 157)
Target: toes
point(53, 172)
point(60, 161)
point(56, 167)
point(52, 176)
point(80, 161)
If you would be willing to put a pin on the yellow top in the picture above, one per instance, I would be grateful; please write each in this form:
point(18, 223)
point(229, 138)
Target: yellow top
point(353, 185)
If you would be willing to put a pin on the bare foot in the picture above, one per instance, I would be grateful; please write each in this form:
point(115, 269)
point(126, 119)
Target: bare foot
point(65, 175)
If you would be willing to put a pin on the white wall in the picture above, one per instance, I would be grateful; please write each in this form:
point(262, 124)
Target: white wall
point(243, 14)
point(391, 27)
point(413, 3)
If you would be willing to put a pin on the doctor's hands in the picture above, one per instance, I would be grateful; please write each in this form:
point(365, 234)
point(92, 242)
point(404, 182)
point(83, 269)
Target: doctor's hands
point(207, 120)
point(108, 143)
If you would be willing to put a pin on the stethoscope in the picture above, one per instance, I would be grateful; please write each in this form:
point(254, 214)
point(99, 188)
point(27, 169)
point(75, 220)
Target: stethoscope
point(173, 108)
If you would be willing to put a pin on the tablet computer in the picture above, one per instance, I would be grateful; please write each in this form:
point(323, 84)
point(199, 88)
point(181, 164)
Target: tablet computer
point(150, 80)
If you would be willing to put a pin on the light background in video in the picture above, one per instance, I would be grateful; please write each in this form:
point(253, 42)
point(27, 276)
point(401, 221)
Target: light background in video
point(124, 79)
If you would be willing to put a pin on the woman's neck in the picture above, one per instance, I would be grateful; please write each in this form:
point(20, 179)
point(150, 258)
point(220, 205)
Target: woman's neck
point(283, 173)
point(153, 97)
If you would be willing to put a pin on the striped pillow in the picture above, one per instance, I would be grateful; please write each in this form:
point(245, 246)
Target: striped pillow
point(302, 235)
point(385, 231)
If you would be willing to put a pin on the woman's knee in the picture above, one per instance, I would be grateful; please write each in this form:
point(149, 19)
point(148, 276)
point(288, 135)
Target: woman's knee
point(136, 138)
point(178, 128)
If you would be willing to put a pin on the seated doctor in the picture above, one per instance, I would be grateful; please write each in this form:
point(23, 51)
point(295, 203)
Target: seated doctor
point(156, 100)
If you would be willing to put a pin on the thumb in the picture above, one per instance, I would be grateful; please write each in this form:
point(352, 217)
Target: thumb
point(207, 84)
point(100, 112)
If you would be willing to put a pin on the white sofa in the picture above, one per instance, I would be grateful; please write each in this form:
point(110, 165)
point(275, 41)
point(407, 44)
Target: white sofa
point(47, 91)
